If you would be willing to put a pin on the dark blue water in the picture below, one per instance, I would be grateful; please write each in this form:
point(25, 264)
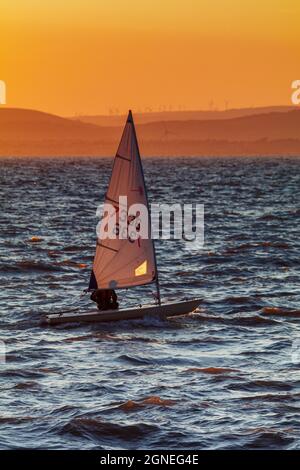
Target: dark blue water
point(225, 377)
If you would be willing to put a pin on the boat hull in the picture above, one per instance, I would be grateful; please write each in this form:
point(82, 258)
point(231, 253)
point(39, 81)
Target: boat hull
point(165, 310)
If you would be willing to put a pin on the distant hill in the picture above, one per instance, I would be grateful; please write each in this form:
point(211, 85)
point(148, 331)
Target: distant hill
point(144, 118)
point(34, 133)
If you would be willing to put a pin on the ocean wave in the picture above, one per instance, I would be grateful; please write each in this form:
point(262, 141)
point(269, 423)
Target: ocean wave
point(26, 385)
point(131, 405)
point(72, 248)
point(40, 266)
point(259, 438)
point(251, 246)
point(254, 320)
point(13, 420)
point(29, 266)
point(21, 373)
point(238, 299)
point(280, 311)
point(72, 264)
point(265, 438)
point(257, 385)
point(268, 397)
point(29, 373)
point(96, 427)
point(135, 359)
point(212, 370)
point(268, 217)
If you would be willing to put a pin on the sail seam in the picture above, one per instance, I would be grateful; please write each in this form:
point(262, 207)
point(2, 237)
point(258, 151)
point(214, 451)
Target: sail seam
point(112, 200)
point(123, 158)
point(107, 247)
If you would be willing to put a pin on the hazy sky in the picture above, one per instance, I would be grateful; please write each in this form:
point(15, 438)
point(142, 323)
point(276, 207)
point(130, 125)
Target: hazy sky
point(87, 56)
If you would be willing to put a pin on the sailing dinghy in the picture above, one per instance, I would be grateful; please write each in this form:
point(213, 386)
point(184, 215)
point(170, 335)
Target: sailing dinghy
point(123, 262)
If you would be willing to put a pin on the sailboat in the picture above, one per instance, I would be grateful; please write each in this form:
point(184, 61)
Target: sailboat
point(123, 262)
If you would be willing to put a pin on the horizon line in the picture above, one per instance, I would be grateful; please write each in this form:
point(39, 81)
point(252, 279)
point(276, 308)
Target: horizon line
point(173, 111)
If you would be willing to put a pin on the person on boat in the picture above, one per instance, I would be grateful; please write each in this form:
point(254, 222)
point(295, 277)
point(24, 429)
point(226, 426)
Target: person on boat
point(112, 299)
point(105, 299)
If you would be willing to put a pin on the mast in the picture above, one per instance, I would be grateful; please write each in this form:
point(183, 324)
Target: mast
point(130, 119)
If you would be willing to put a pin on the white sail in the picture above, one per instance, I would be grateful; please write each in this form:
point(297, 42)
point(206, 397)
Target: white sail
point(120, 263)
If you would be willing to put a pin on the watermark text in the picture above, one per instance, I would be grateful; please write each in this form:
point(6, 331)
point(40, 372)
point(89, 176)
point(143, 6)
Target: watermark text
point(2, 92)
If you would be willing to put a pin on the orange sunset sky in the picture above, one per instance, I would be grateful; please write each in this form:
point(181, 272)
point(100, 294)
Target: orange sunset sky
point(88, 56)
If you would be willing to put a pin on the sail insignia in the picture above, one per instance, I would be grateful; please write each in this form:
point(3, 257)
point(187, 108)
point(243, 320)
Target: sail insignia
point(141, 269)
